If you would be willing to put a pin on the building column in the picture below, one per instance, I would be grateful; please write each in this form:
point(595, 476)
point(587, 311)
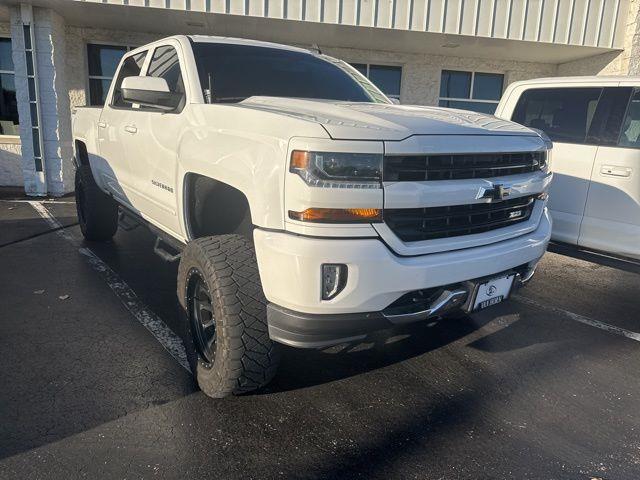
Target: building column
point(38, 44)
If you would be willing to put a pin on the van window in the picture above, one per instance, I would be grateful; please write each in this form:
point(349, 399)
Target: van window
point(630, 135)
point(565, 114)
point(605, 127)
point(131, 67)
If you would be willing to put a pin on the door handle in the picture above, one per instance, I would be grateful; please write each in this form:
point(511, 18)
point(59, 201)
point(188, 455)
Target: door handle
point(102, 124)
point(130, 128)
point(614, 171)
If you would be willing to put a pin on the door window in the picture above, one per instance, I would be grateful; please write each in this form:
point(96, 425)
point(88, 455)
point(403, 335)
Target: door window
point(630, 134)
point(605, 127)
point(564, 114)
point(131, 67)
point(165, 64)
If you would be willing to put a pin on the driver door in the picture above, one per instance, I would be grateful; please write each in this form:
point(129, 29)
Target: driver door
point(152, 145)
point(111, 167)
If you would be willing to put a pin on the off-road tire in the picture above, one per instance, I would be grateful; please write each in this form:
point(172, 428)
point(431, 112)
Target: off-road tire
point(245, 358)
point(97, 211)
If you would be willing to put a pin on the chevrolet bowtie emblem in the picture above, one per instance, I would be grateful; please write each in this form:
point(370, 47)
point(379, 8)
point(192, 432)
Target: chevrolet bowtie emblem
point(497, 193)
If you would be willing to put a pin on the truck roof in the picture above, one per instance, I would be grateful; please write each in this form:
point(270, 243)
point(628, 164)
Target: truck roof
point(596, 79)
point(244, 41)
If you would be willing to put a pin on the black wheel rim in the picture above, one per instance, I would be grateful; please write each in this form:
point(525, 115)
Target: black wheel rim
point(203, 324)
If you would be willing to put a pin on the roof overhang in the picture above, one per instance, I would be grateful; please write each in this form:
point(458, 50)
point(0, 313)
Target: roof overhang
point(164, 21)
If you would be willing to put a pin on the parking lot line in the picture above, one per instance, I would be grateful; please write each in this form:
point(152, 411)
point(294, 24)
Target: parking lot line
point(579, 318)
point(167, 338)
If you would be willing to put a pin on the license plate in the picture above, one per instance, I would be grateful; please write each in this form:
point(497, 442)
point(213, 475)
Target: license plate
point(493, 292)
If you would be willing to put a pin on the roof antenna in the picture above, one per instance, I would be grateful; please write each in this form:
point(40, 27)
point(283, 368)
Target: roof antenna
point(208, 92)
point(316, 48)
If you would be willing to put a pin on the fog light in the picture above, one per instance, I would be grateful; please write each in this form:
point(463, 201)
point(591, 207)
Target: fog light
point(334, 279)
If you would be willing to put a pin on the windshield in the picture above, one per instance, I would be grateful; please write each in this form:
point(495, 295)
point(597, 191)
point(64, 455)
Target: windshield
point(236, 72)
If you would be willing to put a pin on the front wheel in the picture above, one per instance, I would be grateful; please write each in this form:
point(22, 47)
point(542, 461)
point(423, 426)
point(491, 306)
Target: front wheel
point(220, 292)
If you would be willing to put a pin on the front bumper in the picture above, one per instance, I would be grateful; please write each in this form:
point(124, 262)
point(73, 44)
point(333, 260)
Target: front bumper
point(322, 330)
point(290, 273)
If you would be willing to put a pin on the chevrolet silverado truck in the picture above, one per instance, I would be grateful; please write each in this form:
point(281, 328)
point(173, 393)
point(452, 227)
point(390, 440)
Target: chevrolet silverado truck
point(305, 208)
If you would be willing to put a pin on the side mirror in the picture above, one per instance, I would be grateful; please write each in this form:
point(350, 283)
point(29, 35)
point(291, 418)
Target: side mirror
point(395, 101)
point(150, 92)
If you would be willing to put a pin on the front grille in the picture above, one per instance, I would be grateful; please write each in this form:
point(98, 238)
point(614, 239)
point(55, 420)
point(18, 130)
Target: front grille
point(415, 224)
point(418, 168)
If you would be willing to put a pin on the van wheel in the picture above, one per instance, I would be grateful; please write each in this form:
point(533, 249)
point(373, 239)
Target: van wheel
point(219, 288)
point(97, 211)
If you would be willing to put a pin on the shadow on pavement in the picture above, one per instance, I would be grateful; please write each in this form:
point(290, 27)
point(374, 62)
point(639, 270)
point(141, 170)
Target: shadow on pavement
point(379, 350)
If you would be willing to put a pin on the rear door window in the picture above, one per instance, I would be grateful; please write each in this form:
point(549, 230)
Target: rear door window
point(605, 127)
point(564, 114)
point(630, 134)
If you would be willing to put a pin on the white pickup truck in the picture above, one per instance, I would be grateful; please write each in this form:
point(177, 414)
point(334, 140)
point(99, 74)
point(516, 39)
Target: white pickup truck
point(304, 206)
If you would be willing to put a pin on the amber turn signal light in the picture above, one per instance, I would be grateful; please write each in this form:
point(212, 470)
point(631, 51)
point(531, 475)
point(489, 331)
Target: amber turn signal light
point(299, 160)
point(338, 215)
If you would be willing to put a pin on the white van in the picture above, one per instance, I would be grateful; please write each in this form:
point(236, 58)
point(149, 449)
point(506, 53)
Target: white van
point(594, 123)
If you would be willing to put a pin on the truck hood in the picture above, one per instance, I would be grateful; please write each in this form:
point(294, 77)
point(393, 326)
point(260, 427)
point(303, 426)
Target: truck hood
point(376, 121)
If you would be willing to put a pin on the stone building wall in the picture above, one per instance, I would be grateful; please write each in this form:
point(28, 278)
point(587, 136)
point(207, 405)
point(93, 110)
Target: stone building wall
point(421, 73)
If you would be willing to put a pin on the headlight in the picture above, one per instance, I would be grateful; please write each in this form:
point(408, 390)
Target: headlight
point(338, 170)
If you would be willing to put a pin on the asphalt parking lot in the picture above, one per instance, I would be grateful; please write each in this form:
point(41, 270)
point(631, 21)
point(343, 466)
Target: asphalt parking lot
point(546, 386)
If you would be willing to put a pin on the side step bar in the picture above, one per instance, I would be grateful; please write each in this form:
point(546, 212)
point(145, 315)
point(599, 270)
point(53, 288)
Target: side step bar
point(166, 247)
point(126, 221)
point(160, 250)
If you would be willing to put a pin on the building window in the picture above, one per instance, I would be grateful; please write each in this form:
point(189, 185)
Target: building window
point(386, 77)
point(103, 62)
point(475, 91)
point(8, 104)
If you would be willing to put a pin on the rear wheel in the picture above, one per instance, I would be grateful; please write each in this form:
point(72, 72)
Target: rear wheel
point(220, 292)
point(97, 211)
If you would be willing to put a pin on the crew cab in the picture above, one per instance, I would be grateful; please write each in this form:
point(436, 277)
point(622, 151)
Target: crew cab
point(594, 123)
point(305, 207)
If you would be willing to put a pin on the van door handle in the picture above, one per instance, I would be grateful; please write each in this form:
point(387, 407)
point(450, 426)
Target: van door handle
point(614, 171)
point(102, 124)
point(130, 128)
